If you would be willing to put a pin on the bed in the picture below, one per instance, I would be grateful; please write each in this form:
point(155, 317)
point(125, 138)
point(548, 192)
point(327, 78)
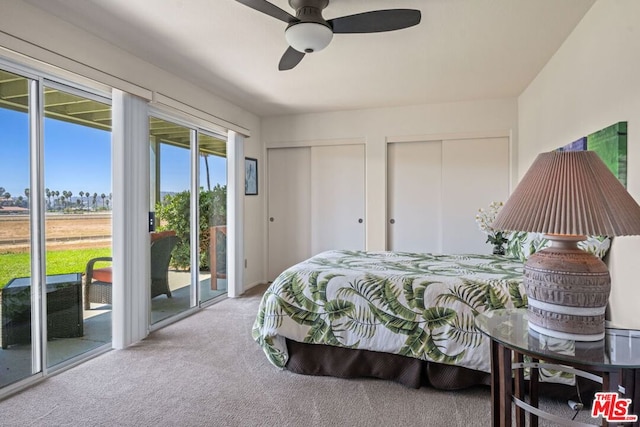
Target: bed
point(354, 314)
point(405, 317)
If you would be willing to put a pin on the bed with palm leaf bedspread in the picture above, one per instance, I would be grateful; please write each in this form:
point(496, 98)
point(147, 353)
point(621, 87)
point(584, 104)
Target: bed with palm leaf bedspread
point(406, 306)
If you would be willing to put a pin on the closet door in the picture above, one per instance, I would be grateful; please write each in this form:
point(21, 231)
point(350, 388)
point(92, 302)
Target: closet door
point(289, 208)
point(414, 174)
point(337, 198)
point(475, 172)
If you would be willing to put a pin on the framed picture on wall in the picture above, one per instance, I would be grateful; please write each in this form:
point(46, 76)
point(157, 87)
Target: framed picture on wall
point(250, 176)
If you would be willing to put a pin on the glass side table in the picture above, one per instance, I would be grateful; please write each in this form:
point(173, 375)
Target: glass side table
point(613, 361)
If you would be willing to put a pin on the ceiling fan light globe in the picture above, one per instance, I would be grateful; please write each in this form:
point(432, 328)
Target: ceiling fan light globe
point(308, 37)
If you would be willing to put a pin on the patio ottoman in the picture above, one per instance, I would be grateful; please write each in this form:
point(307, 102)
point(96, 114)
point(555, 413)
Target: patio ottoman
point(64, 309)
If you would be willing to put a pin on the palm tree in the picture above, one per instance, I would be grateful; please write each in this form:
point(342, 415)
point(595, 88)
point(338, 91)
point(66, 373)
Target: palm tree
point(102, 196)
point(81, 196)
point(206, 165)
point(95, 196)
point(47, 193)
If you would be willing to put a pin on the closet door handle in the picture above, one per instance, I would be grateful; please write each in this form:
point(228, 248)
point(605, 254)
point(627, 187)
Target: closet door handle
point(392, 221)
point(271, 219)
point(360, 220)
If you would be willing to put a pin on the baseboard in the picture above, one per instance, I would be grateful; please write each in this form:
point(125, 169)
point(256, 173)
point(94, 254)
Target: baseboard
point(254, 287)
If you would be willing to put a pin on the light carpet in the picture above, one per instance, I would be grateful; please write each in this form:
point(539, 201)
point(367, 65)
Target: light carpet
point(207, 371)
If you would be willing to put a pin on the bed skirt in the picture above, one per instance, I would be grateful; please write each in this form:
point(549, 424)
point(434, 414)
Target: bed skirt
point(314, 359)
point(325, 360)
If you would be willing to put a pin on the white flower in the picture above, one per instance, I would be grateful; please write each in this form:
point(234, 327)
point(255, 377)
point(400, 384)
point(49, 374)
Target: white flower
point(485, 218)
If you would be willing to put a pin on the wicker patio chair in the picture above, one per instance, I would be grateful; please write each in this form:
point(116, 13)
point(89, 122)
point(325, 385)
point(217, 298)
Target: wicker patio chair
point(98, 281)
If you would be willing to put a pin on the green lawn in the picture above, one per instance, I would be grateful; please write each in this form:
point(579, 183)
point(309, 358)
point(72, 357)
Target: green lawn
point(58, 262)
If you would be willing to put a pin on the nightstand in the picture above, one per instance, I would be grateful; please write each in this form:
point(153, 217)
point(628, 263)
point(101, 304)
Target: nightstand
point(613, 361)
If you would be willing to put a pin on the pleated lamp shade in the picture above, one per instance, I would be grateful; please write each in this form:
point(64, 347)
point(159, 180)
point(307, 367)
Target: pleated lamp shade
point(567, 196)
point(570, 192)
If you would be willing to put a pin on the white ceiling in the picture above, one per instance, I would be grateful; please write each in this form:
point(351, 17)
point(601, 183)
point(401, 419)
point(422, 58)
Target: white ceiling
point(462, 49)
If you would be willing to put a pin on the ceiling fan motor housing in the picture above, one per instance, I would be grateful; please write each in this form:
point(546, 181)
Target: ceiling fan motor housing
point(298, 5)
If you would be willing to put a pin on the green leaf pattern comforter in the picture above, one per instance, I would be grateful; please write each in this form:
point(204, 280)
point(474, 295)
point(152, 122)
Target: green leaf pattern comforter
point(417, 305)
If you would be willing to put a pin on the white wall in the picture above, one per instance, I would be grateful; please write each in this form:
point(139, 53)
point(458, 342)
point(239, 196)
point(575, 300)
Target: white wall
point(376, 126)
point(592, 82)
point(31, 32)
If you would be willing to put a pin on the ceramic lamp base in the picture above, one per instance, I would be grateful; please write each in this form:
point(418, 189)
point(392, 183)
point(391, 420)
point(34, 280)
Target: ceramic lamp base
point(567, 290)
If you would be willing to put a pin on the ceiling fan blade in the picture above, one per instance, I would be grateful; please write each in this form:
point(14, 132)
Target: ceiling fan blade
point(290, 59)
point(376, 21)
point(270, 9)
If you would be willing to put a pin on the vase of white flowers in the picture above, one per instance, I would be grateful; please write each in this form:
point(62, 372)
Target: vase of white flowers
point(485, 218)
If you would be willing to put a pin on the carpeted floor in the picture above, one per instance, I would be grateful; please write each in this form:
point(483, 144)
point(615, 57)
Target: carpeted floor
point(207, 371)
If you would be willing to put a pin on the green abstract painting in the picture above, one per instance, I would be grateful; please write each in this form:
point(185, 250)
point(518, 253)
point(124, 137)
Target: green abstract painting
point(611, 145)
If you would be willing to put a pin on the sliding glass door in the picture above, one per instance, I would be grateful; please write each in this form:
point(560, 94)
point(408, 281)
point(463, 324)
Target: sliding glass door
point(77, 180)
point(212, 152)
point(16, 357)
point(171, 277)
point(184, 158)
point(55, 217)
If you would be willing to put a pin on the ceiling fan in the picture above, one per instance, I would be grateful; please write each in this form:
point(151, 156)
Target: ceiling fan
point(309, 32)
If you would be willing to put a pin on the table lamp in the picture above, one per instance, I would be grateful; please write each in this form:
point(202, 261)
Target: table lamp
point(567, 196)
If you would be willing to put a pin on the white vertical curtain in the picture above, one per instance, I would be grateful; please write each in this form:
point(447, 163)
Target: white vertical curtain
point(131, 256)
point(235, 214)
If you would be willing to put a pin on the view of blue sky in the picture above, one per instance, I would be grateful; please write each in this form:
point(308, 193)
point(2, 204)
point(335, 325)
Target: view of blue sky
point(78, 158)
